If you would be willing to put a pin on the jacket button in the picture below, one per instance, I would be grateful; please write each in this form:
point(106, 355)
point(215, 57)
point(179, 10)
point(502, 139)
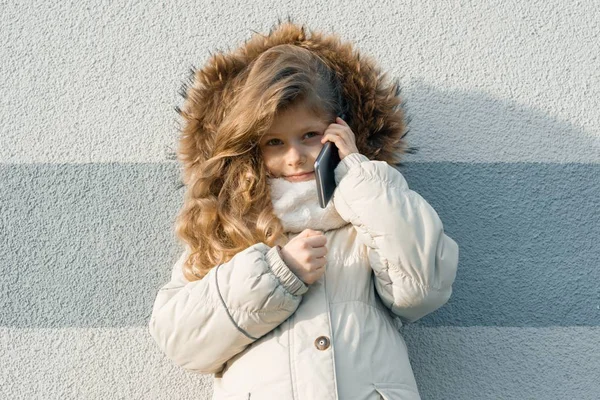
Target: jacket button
point(322, 343)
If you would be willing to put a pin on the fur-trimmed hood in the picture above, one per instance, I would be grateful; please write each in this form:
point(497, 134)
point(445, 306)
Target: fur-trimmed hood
point(374, 107)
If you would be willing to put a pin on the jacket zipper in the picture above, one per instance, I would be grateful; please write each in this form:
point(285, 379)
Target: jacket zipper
point(330, 333)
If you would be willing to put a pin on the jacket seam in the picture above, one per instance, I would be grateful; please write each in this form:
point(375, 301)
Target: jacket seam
point(279, 282)
point(290, 355)
point(258, 312)
point(263, 311)
point(410, 278)
point(390, 183)
point(166, 289)
point(355, 301)
point(357, 218)
point(227, 310)
point(328, 307)
point(385, 260)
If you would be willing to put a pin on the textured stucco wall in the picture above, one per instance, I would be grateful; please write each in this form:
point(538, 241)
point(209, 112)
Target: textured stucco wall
point(504, 100)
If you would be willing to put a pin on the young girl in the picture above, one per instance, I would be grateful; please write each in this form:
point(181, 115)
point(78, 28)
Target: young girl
point(275, 296)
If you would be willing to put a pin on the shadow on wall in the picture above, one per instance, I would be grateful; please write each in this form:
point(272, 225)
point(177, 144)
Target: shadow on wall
point(527, 224)
point(471, 126)
point(527, 231)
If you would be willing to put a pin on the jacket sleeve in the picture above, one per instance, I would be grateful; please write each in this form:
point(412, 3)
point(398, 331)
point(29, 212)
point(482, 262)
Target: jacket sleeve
point(200, 325)
point(413, 260)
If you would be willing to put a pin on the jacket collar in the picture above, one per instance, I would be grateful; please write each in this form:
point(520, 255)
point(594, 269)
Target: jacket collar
point(297, 206)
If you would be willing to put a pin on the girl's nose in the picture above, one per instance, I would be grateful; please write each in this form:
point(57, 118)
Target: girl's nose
point(295, 156)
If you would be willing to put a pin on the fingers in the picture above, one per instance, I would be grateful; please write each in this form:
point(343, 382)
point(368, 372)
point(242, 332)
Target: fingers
point(306, 255)
point(319, 252)
point(341, 121)
point(336, 137)
point(310, 232)
point(341, 134)
point(313, 238)
point(316, 241)
point(319, 269)
point(341, 127)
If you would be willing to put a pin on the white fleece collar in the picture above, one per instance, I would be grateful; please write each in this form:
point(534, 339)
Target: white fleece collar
point(297, 206)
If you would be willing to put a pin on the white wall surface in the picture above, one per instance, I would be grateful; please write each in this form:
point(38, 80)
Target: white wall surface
point(504, 100)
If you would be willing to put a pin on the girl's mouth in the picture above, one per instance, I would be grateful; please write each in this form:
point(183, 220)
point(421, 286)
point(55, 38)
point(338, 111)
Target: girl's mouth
point(300, 178)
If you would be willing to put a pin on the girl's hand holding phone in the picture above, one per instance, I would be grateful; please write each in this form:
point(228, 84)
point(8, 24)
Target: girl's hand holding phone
point(340, 133)
point(305, 255)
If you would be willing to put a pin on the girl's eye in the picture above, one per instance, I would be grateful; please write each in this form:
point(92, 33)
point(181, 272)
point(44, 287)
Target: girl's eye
point(276, 142)
point(272, 142)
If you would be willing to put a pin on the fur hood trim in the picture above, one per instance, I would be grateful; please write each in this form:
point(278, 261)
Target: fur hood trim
point(375, 111)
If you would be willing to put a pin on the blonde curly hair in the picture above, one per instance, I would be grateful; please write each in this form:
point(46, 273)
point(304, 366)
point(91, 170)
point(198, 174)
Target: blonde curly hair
point(227, 205)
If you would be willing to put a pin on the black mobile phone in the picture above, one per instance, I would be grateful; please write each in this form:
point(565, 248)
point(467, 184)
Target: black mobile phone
point(325, 164)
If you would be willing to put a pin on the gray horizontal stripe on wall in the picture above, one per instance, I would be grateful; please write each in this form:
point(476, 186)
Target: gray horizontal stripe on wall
point(517, 363)
point(91, 244)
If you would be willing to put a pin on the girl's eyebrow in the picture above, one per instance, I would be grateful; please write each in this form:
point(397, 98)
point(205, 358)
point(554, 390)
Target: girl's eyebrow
point(304, 130)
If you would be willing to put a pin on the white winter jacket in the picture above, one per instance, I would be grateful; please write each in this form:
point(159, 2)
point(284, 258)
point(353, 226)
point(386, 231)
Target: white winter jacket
point(266, 335)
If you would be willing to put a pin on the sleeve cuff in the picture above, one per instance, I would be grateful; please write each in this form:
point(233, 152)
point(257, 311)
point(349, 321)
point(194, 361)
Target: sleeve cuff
point(348, 162)
point(288, 279)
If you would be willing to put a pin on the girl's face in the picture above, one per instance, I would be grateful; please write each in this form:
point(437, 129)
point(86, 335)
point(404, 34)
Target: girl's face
point(292, 143)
